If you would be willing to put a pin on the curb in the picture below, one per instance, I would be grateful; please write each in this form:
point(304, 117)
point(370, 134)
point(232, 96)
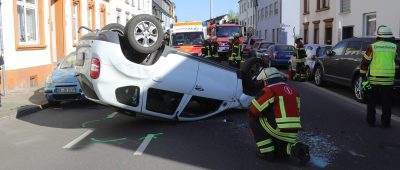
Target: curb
point(25, 111)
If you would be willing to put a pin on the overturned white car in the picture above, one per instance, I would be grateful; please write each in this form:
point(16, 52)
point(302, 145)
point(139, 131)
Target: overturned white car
point(131, 69)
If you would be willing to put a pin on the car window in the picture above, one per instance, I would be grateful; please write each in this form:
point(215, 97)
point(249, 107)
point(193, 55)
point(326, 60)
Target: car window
point(191, 38)
point(200, 106)
point(68, 62)
point(339, 48)
point(162, 101)
point(321, 51)
point(284, 48)
point(353, 48)
point(309, 51)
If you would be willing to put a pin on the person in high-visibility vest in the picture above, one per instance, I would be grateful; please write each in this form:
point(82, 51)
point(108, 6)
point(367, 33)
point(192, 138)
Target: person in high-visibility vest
point(300, 59)
point(235, 49)
point(378, 70)
point(274, 119)
point(205, 50)
point(214, 49)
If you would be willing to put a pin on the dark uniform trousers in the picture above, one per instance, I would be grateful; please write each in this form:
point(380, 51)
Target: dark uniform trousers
point(382, 93)
point(266, 135)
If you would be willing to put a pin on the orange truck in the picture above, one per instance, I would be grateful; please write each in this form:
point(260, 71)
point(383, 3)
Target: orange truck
point(188, 36)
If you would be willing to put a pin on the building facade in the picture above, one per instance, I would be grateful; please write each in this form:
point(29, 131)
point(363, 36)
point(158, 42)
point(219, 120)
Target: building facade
point(40, 33)
point(247, 14)
point(328, 21)
point(165, 10)
point(278, 20)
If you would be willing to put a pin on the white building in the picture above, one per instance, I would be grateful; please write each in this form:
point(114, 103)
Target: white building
point(278, 20)
point(38, 33)
point(165, 10)
point(247, 14)
point(327, 21)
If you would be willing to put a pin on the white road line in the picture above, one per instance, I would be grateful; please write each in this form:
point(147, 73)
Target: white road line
point(112, 115)
point(351, 101)
point(78, 139)
point(142, 146)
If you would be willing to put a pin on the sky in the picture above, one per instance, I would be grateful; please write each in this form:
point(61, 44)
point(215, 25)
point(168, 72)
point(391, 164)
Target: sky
point(199, 10)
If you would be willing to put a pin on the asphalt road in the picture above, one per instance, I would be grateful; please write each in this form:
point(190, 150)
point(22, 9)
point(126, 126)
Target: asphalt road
point(89, 136)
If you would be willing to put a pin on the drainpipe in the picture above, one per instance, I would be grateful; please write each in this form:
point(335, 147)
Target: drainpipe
point(3, 69)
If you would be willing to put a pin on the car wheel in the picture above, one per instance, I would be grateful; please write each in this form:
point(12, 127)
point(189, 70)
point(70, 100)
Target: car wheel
point(250, 70)
point(115, 27)
point(144, 33)
point(358, 93)
point(319, 77)
point(308, 74)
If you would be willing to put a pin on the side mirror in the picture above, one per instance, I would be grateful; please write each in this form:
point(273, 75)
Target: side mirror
point(330, 53)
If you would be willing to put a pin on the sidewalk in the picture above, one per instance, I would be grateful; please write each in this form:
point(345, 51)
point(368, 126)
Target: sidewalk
point(22, 102)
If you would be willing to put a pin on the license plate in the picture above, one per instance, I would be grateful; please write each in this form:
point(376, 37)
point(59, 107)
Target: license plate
point(65, 89)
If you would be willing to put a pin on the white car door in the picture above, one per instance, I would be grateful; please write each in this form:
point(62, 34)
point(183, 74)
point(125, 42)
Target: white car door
point(171, 83)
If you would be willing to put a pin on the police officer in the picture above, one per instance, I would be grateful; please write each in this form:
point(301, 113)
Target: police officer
point(300, 59)
point(274, 119)
point(235, 46)
point(378, 69)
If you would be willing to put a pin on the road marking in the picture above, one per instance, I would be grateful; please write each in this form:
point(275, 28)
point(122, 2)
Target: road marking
point(349, 100)
point(110, 116)
point(78, 139)
point(145, 142)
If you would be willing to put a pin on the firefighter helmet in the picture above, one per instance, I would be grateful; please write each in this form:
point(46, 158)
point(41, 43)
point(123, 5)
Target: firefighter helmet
point(236, 35)
point(384, 32)
point(269, 73)
point(297, 37)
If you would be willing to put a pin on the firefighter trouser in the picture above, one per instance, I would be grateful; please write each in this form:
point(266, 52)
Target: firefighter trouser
point(300, 70)
point(270, 141)
point(384, 94)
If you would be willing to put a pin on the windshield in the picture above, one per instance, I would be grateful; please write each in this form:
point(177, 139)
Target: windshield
point(228, 31)
point(284, 48)
point(68, 62)
point(265, 45)
point(187, 38)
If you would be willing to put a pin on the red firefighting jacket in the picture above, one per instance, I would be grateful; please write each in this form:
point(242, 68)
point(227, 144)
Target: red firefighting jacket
point(285, 102)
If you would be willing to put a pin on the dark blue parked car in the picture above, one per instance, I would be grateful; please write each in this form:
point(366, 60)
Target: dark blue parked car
point(62, 85)
point(278, 54)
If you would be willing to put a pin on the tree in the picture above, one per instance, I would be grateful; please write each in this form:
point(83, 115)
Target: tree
point(232, 15)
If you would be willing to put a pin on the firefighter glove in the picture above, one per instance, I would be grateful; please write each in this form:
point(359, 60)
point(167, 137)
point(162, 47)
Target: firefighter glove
point(366, 86)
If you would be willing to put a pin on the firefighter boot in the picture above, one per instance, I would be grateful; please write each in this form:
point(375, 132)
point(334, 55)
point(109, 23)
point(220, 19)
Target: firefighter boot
point(301, 152)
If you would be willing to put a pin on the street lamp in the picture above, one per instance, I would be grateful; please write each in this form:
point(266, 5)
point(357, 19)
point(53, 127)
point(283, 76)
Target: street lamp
point(211, 8)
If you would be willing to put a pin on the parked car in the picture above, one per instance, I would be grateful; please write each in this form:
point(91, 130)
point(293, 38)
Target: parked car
point(139, 74)
point(248, 45)
point(261, 47)
point(278, 55)
point(313, 52)
point(62, 85)
point(341, 65)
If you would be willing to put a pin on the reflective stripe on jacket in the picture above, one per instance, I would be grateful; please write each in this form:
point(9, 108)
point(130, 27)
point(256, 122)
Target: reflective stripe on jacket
point(285, 103)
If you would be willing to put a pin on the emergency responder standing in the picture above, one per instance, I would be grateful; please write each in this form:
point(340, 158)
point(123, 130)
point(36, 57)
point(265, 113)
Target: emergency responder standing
point(214, 49)
point(300, 59)
point(274, 119)
point(235, 56)
point(206, 49)
point(378, 69)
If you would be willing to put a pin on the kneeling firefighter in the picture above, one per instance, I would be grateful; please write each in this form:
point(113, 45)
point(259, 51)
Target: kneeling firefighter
point(274, 119)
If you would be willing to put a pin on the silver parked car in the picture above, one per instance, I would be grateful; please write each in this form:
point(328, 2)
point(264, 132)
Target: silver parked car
point(313, 52)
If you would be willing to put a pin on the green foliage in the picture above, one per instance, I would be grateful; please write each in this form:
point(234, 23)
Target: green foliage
point(232, 15)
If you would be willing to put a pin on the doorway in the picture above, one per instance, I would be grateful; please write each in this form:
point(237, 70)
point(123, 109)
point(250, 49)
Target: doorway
point(348, 32)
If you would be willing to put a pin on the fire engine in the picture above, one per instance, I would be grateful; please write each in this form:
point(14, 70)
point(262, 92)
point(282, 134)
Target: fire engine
point(223, 30)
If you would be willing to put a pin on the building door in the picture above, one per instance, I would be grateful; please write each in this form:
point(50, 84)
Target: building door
point(58, 29)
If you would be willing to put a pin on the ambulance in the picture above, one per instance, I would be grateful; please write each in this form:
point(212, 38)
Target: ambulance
point(188, 36)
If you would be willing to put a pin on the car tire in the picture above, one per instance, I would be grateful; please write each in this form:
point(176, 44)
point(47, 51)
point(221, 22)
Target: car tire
point(308, 74)
point(319, 77)
point(115, 27)
point(249, 71)
point(144, 34)
point(357, 91)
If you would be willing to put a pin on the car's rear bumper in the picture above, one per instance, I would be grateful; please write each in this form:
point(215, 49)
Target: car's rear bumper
point(280, 62)
point(65, 96)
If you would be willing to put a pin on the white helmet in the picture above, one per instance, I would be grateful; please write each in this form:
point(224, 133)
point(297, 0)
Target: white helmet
point(296, 37)
point(384, 32)
point(269, 73)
